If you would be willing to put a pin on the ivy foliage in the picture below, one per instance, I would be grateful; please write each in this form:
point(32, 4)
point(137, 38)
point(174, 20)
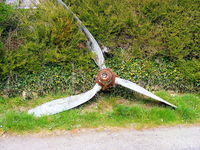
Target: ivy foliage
point(154, 43)
point(149, 29)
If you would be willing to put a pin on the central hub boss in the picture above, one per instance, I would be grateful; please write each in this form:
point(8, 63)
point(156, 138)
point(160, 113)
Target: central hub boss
point(106, 78)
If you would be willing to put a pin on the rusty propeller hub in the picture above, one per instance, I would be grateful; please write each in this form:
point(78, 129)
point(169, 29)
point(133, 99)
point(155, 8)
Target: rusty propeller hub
point(106, 78)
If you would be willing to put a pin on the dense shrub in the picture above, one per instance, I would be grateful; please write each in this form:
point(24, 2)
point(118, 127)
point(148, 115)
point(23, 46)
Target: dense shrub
point(46, 37)
point(151, 27)
point(165, 31)
point(49, 36)
point(154, 43)
point(8, 25)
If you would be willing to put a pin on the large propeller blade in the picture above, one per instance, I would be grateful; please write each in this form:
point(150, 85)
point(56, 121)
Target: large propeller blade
point(139, 89)
point(105, 79)
point(62, 104)
point(92, 43)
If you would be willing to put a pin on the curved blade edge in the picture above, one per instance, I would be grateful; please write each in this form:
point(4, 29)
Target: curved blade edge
point(62, 104)
point(92, 43)
point(139, 89)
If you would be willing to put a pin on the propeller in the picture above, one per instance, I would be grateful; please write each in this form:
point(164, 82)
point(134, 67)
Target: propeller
point(63, 104)
point(92, 43)
point(105, 79)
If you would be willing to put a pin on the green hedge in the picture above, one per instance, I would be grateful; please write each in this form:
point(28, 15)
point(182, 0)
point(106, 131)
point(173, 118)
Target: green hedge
point(154, 43)
point(151, 27)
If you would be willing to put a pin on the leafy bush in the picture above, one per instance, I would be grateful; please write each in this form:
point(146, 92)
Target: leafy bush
point(167, 32)
point(150, 27)
point(49, 37)
point(8, 23)
point(152, 43)
point(6, 18)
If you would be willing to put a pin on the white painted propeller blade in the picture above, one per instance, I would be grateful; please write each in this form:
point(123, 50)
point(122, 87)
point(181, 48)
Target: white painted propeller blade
point(62, 104)
point(139, 89)
point(92, 43)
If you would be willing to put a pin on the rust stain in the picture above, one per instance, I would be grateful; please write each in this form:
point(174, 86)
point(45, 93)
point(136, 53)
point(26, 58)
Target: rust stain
point(106, 78)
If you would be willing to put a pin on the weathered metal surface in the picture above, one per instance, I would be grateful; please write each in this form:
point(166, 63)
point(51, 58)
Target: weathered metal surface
point(139, 89)
point(106, 78)
point(29, 3)
point(12, 2)
point(62, 104)
point(23, 3)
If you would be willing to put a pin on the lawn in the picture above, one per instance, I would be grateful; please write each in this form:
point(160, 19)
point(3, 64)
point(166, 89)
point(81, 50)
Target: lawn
point(104, 110)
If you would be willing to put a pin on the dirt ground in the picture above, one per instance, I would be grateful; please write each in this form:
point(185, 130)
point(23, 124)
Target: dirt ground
point(163, 138)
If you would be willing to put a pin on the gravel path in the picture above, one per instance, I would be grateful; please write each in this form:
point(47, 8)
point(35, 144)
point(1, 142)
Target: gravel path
point(173, 138)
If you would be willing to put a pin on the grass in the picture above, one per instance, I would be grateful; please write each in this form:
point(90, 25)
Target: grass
point(103, 110)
